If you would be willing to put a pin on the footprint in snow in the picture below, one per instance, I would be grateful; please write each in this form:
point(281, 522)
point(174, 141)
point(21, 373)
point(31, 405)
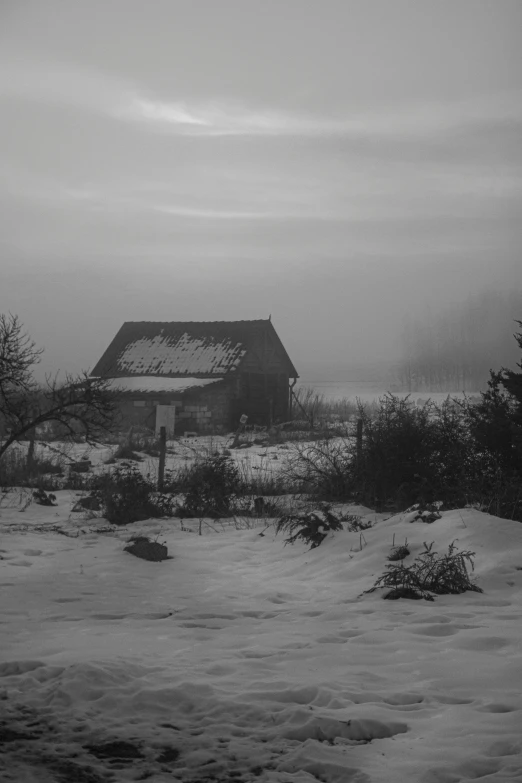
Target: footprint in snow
point(436, 630)
point(330, 640)
point(220, 670)
point(350, 634)
point(66, 600)
point(482, 643)
point(504, 748)
point(498, 708)
point(256, 654)
point(259, 615)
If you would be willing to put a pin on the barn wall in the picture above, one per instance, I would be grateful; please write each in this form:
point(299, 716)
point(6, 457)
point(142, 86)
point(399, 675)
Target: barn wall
point(202, 410)
point(264, 382)
point(207, 410)
point(137, 416)
point(264, 355)
point(263, 397)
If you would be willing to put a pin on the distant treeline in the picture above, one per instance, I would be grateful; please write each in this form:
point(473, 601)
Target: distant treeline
point(455, 350)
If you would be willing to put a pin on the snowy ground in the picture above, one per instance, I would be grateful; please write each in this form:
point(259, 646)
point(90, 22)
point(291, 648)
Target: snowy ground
point(241, 659)
point(180, 453)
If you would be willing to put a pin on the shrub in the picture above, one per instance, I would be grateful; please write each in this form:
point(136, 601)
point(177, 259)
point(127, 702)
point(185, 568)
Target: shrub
point(417, 455)
point(355, 524)
point(257, 507)
point(151, 447)
point(43, 498)
point(80, 481)
point(497, 427)
point(429, 574)
point(127, 496)
point(408, 455)
point(323, 468)
point(395, 453)
point(460, 453)
point(398, 552)
point(503, 499)
point(312, 527)
point(212, 485)
point(427, 513)
point(124, 451)
point(144, 441)
point(16, 472)
point(262, 479)
point(146, 549)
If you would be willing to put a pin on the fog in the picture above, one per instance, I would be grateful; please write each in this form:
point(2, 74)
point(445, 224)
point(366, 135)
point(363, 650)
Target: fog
point(344, 167)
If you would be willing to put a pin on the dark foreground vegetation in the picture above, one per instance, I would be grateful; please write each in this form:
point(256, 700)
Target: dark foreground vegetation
point(430, 574)
point(460, 453)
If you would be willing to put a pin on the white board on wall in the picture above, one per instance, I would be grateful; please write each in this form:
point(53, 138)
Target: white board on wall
point(165, 417)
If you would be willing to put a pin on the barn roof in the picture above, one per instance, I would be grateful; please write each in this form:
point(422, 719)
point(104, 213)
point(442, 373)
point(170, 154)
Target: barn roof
point(191, 348)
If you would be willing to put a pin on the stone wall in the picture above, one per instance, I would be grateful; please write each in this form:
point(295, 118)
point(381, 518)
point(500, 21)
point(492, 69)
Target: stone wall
point(203, 410)
point(207, 410)
point(215, 408)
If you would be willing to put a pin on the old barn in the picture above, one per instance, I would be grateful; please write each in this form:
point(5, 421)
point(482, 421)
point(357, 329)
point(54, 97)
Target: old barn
point(199, 376)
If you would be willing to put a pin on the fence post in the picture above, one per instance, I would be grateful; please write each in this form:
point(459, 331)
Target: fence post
point(358, 438)
point(163, 451)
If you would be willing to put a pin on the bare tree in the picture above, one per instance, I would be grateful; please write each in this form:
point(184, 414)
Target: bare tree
point(18, 354)
point(81, 405)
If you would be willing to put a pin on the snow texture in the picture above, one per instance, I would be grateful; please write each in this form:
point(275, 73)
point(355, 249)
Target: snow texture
point(242, 659)
point(152, 383)
point(187, 354)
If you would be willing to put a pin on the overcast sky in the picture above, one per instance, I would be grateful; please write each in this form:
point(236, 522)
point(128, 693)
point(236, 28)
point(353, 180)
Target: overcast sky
point(333, 163)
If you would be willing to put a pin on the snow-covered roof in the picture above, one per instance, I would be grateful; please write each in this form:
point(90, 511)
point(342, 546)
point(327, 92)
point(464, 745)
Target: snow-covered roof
point(151, 383)
point(186, 354)
point(191, 348)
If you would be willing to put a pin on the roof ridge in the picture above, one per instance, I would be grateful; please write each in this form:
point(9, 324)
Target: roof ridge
point(245, 321)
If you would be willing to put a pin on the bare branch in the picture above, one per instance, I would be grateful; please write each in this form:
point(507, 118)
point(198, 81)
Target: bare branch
point(81, 405)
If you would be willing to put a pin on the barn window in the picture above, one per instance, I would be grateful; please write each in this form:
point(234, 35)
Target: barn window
point(139, 403)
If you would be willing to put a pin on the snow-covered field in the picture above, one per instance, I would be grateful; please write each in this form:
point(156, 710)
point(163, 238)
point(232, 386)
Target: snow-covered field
point(180, 453)
point(369, 392)
point(243, 660)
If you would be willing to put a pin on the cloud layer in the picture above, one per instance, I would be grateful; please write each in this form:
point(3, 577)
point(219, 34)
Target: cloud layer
point(340, 163)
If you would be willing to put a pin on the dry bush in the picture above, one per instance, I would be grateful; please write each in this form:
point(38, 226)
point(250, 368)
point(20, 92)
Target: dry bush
point(17, 471)
point(322, 468)
point(127, 496)
point(212, 485)
point(311, 527)
point(430, 574)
